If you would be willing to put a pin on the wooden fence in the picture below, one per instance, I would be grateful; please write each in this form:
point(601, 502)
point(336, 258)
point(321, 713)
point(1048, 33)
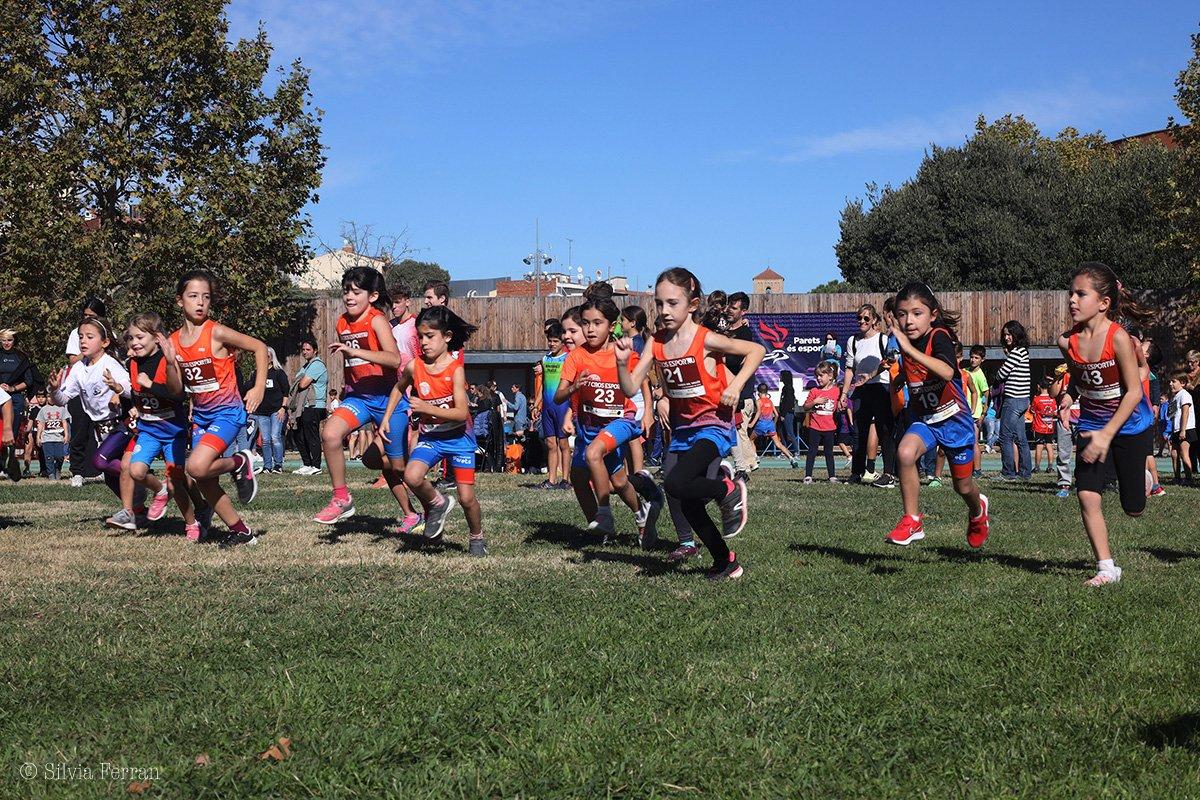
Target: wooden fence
point(508, 324)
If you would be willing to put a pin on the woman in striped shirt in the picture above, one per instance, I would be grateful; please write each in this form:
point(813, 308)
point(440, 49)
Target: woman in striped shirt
point(1014, 374)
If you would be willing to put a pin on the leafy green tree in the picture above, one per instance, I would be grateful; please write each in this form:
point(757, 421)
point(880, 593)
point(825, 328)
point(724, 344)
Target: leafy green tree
point(137, 143)
point(834, 286)
point(1013, 209)
point(1184, 208)
point(413, 275)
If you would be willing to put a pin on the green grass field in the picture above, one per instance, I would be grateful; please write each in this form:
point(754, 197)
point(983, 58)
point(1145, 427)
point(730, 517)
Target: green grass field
point(556, 668)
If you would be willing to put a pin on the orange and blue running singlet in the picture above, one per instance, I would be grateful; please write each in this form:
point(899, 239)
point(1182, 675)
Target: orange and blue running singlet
point(369, 385)
point(694, 396)
point(1100, 389)
point(218, 414)
point(602, 410)
point(440, 439)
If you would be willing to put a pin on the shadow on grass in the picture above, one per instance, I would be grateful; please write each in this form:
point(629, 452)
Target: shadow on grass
point(381, 530)
point(649, 566)
point(1034, 565)
point(1168, 555)
point(1179, 731)
point(875, 561)
point(566, 536)
point(9, 522)
point(165, 528)
point(620, 550)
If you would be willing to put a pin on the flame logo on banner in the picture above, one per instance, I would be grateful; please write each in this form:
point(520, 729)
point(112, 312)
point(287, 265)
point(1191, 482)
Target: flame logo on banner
point(773, 334)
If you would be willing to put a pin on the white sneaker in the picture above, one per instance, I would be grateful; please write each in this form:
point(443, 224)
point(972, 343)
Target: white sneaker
point(301, 470)
point(1105, 577)
point(77, 481)
point(870, 477)
point(604, 523)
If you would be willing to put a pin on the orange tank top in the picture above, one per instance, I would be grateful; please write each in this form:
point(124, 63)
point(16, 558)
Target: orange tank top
point(361, 376)
point(694, 394)
point(766, 409)
point(211, 382)
point(1100, 389)
point(598, 400)
point(436, 389)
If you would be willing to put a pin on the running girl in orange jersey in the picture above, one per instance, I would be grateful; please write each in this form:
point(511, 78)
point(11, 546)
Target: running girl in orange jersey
point(207, 352)
point(156, 384)
point(370, 359)
point(939, 409)
point(439, 383)
point(702, 397)
point(1116, 421)
point(606, 421)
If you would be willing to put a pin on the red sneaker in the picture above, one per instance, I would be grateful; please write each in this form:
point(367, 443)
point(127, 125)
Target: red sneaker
point(978, 528)
point(907, 530)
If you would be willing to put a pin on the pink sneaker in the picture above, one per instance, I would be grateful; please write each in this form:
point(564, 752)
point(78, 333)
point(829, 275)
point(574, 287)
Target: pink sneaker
point(410, 523)
point(158, 508)
point(193, 532)
point(335, 512)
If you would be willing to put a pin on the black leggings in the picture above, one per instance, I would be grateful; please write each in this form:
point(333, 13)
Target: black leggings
point(688, 482)
point(1126, 460)
point(682, 526)
point(815, 440)
point(874, 408)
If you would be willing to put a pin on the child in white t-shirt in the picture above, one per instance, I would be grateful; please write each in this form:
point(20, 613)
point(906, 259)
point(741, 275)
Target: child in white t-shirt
point(1183, 425)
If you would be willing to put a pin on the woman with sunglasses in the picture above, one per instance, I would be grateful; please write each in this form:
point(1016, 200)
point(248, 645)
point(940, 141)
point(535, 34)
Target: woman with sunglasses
point(867, 382)
point(1193, 370)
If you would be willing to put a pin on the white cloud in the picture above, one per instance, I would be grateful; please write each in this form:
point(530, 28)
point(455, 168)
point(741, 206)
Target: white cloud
point(1077, 104)
point(338, 37)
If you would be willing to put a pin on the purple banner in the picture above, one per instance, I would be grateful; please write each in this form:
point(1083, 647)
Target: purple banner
point(797, 342)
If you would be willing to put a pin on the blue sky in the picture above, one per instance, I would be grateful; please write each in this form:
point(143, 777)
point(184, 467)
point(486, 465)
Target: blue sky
point(721, 136)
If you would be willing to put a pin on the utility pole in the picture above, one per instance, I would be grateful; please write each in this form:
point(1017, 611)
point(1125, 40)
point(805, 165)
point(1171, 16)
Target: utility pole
point(570, 263)
point(537, 259)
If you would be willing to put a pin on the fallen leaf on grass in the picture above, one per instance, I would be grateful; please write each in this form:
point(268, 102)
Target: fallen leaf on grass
point(137, 787)
point(277, 752)
point(203, 760)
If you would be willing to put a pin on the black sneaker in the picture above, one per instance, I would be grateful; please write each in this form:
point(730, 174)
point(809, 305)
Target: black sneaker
point(235, 539)
point(204, 516)
point(884, 481)
point(730, 571)
point(435, 517)
point(855, 479)
point(478, 548)
point(734, 507)
point(12, 464)
point(244, 478)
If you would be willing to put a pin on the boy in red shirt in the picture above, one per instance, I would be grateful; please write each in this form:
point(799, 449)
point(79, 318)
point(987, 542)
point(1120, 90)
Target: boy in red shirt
point(762, 424)
point(821, 428)
point(1045, 411)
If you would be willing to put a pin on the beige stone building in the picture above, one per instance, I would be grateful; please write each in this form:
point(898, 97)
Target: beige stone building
point(768, 282)
point(325, 271)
